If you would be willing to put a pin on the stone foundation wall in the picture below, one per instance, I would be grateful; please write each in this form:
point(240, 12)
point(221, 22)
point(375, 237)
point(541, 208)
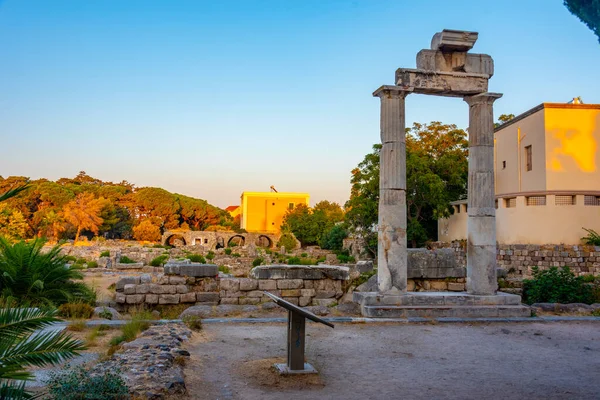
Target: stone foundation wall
point(518, 259)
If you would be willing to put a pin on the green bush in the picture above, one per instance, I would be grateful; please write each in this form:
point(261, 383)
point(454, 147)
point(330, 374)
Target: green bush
point(236, 255)
point(227, 251)
point(210, 255)
point(193, 322)
point(105, 314)
point(294, 261)
point(333, 239)
point(76, 383)
point(592, 237)
point(105, 253)
point(257, 261)
point(70, 259)
point(126, 260)
point(321, 259)
point(288, 241)
point(344, 257)
point(75, 310)
point(159, 261)
point(31, 276)
point(303, 255)
point(224, 269)
point(199, 258)
point(556, 286)
point(92, 264)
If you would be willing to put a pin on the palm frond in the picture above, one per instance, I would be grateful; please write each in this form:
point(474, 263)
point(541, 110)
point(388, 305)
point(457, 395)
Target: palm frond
point(13, 192)
point(24, 321)
point(15, 391)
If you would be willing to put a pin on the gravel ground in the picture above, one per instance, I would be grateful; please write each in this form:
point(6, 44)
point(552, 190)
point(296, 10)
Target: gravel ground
point(408, 361)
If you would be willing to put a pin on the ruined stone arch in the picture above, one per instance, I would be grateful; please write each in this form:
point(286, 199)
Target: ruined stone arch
point(239, 240)
point(176, 240)
point(264, 241)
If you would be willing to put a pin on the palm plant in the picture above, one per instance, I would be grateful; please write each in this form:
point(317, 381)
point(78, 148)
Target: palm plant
point(30, 276)
point(13, 192)
point(22, 345)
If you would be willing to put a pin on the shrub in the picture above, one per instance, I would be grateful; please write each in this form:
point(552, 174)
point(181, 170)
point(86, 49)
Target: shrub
point(105, 253)
point(70, 259)
point(224, 269)
point(199, 258)
point(592, 237)
point(126, 260)
point(105, 314)
point(293, 260)
point(30, 276)
point(321, 259)
point(344, 257)
point(556, 286)
point(257, 261)
point(92, 264)
point(237, 255)
point(333, 239)
point(76, 326)
point(147, 231)
point(76, 310)
point(75, 383)
point(193, 322)
point(288, 241)
point(159, 261)
point(303, 255)
point(228, 251)
point(210, 255)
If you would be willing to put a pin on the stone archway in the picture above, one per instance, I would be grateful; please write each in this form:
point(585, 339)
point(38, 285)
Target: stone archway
point(264, 241)
point(236, 240)
point(175, 240)
point(220, 243)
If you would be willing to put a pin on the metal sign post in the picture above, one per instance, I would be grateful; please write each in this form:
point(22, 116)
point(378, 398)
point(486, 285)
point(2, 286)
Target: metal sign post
point(296, 337)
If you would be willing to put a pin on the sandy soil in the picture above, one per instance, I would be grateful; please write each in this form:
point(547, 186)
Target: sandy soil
point(100, 282)
point(392, 361)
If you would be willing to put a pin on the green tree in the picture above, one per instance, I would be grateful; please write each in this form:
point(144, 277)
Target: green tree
point(29, 276)
point(302, 224)
point(147, 230)
point(84, 213)
point(21, 346)
point(588, 12)
point(436, 174)
point(503, 118)
point(333, 239)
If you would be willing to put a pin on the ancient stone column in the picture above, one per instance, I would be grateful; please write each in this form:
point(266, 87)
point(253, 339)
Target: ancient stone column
point(391, 246)
point(481, 222)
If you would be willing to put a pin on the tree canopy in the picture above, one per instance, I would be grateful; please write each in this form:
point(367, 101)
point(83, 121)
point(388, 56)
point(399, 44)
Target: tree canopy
point(87, 206)
point(436, 174)
point(310, 225)
point(588, 12)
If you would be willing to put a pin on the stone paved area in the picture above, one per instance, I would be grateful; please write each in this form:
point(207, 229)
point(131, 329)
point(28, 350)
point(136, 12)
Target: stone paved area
point(550, 360)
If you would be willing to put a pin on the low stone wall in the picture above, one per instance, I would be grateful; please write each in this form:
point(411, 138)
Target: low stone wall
point(518, 259)
point(200, 284)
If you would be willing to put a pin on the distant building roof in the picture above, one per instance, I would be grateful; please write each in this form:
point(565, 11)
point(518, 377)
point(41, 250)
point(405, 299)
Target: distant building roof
point(232, 208)
point(547, 105)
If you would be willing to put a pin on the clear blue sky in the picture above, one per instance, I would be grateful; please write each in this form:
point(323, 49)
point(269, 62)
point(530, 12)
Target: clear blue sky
point(210, 99)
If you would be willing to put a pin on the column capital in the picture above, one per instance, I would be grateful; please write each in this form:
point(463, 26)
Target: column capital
point(390, 91)
point(482, 98)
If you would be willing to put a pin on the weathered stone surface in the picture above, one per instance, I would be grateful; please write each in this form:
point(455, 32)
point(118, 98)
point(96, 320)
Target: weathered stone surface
point(126, 280)
point(433, 264)
point(267, 284)
point(290, 283)
point(450, 40)
point(227, 300)
point(163, 279)
point(290, 292)
point(369, 286)
point(102, 312)
point(129, 289)
point(230, 284)
point(325, 294)
point(248, 284)
point(304, 301)
point(135, 298)
point(151, 299)
point(137, 265)
point(168, 289)
point(433, 60)
point(199, 270)
point(187, 297)
point(120, 298)
point(197, 311)
point(182, 289)
point(364, 266)
point(255, 293)
point(145, 278)
point(177, 280)
point(456, 287)
point(299, 272)
point(293, 300)
point(168, 299)
point(307, 292)
point(349, 308)
point(142, 288)
point(249, 300)
point(454, 84)
point(207, 297)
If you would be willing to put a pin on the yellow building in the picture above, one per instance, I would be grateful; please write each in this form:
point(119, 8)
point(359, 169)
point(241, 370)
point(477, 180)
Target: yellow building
point(264, 211)
point(547, 177)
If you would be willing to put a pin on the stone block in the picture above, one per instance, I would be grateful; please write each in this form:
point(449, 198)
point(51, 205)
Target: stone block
point(304, 301)
point(255, 293)
point(450, 40)
point(438, 286)
point(310, 272)
point(267, 284)
point(290, 284)
point(155, 288)
point(249, 300)
point(293, 300)
point(163, 279)
point(364, 266)
point(307, 292)
point(142, 288)
point(145, 278)
point(151, 299)
point(309, 284)
point(230, 284)
point(229, 300)
point(207, 297)
point(177, 280)
point(290, 292)
point(456, 287)
point(181, 289)
point(230, 293)
point(129, 288)
point(171, 269)
point(323, 302)
point(120, 298)
point(126, 280)
point(168, 289)
point(471, 63)
point(187, 297)
point(433, 264)
point(248, 284)
point(168, 299)
point(454, 84)
point(321, 294)
point(199, 270)
point(135, 298)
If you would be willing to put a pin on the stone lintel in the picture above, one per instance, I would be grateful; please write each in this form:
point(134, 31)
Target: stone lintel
point(435, 60)
point(391, 91)
point(482, 98)
point(450, 40)
point(453, 84)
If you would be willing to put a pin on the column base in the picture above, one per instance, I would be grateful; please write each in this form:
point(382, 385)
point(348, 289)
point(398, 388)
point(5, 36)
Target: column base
point(440, 304)
point(283, 369)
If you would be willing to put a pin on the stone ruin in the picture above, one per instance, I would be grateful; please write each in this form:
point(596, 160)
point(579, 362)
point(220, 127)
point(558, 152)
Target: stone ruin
point(447, 69)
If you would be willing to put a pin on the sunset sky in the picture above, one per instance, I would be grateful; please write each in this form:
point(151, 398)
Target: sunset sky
point(210, 99)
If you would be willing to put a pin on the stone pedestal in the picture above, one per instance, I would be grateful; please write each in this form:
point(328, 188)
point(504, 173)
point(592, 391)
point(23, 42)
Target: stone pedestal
point(481, 222)
point(391, 249)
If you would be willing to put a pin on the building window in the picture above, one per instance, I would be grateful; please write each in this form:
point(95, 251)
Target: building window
point(457, 209)
point(564, 200)
point(273, 204)
point(536, 200)
point(290, 206)
point(528, 163)
point(495, 203)
point(503, 164)
point(510, 202)
point(591, 200)
point(205, 241)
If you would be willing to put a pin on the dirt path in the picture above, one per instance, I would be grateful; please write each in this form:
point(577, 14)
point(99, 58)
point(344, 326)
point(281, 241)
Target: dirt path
point(375, 361)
